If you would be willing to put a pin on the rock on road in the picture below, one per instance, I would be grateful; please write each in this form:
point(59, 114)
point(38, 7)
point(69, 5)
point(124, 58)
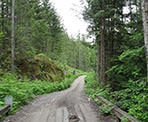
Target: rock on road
point(71, 105)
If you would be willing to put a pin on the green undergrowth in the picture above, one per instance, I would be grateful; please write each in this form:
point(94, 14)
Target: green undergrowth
point(132, 98)
point(23, 91)
point(93, 88)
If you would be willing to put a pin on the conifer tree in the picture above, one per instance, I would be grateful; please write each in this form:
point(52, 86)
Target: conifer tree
point(145, 25)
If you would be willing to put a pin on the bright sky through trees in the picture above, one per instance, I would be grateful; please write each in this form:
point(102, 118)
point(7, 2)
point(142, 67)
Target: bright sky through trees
point(70, 13)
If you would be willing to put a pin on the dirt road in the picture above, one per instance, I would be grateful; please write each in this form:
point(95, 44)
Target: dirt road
point(71, 105)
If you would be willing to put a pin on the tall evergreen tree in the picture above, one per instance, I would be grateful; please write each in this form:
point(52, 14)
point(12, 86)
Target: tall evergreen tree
point(12, 38)
point(105, 20)
point(145, 25)
point(116, 32)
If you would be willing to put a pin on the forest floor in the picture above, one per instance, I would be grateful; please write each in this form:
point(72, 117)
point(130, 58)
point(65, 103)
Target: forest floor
point(71, 105)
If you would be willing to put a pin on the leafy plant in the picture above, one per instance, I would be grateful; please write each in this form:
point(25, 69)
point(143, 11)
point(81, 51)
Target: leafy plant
point(130, 65)
point(132, 98)
point(105, 109)
point(124, 119)
point(93, 88)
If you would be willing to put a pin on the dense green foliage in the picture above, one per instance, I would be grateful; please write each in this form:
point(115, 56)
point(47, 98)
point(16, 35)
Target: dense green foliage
point(130, 65)
point(38, 29)
point(77, 53)
point(94, 88)
point(121, 54)
point(132, 98)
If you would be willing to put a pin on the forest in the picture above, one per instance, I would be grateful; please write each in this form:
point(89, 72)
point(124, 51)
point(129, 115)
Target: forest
point(37, 56)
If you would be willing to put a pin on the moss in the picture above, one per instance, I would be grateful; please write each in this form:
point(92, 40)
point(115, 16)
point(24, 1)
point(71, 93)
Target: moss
point(40, 67)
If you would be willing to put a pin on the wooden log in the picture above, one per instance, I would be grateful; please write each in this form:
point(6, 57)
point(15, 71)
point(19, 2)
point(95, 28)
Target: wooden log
point(117, 111)
point(5, 109)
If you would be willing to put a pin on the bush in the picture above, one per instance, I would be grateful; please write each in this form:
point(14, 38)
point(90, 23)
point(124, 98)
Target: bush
point(132, 97)
point(93, 88)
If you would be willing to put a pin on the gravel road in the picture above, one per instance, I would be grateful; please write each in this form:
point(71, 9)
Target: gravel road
point(71, 105)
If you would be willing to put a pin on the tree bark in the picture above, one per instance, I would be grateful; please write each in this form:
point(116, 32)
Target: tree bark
point(145, 25)
point(12, 38)
point(98, 58)
point(102, 54)
point(2, 15)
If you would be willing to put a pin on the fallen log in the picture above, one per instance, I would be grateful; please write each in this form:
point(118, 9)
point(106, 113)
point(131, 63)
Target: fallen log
point(4, 110)
point(117, 111)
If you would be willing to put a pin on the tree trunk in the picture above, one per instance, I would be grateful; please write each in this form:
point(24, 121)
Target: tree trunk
point(52, 45)
point(2, 15)
point(145, 25)
point(102, 54)
point(98, 58)
point(12, 38)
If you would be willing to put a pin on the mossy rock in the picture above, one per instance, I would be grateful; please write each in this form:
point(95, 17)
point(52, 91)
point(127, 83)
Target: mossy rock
point(40, 67)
